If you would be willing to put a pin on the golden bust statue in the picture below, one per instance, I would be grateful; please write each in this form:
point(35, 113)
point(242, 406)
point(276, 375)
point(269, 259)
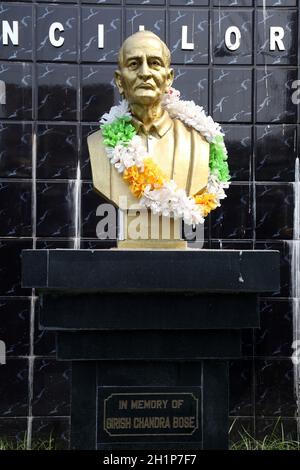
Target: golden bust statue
point(144, 75)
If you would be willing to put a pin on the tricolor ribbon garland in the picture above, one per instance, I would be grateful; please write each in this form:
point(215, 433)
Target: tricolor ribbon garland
point(147, 182)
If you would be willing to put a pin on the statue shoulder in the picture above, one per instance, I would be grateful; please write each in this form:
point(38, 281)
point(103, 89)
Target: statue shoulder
point(96, 146)
point(99, 163)
point(95, 137)
point(196, 134)
point(199, 155)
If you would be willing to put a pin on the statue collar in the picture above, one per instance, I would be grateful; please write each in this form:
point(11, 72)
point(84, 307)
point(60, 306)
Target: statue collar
point(160, 126)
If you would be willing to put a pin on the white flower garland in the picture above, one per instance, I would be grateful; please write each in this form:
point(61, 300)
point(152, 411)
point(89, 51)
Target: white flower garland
point(169, 200)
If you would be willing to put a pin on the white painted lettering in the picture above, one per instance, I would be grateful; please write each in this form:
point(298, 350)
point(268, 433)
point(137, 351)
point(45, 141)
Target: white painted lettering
point(100, 36)
point(233, 31)
point(185, 45)
point(276, 37)
point(53, 28)
point(10, 33)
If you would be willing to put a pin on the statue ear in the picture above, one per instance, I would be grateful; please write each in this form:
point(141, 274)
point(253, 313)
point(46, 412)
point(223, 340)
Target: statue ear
point(170, 77)
point(118, 81)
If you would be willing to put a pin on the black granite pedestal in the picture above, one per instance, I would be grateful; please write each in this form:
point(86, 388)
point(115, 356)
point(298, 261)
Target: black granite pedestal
point(149, 334)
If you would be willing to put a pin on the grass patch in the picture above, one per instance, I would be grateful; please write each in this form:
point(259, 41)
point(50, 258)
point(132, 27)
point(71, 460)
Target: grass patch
point(37, 444)
point(274, 441)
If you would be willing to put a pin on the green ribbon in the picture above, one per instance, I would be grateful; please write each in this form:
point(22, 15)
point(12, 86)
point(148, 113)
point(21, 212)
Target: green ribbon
point(121, 131)
point(218, 160)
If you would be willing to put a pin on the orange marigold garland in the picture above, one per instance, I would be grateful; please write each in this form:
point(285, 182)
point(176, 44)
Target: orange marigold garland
point(207, 201)
point(139, 180)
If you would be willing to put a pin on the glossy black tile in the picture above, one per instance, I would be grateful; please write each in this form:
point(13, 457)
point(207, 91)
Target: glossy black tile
point(60, 1)
point(274, 390)
point(99, 92)
point(14, 325)
point(232, 95)
point(51, 392)
point(57, 92)
point(10, 266)
point(145, 2)
point(277, 3)
point(15, 150)
point(274, 91)
point(237, 224)
point(58, 429)
point(276, 152)
point(15, 209)
point(275, 336)
point(98, 244)
point(16, 90)
point(274, 211)
point(17, 46)
point(150, 19)
point(53, 243)
point(55, 216)
point(56, 33)
point(233, 3)
point(103, 45)
point(239, 145)
point(188, 36)
point(57, 151)
point(189, 3)
point(192, 84)
point(14, 388)
point(241, 388)
point(269, 52)
point(232, 50)
point(109, 2)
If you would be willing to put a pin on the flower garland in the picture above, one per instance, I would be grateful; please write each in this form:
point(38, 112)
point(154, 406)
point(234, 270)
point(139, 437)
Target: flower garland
point(147, 182)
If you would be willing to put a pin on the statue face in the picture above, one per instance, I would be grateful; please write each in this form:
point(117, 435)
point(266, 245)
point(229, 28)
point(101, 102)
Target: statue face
point(144, 75)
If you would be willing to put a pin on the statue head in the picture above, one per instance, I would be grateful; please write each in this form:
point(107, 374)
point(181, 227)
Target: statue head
point(144, 72)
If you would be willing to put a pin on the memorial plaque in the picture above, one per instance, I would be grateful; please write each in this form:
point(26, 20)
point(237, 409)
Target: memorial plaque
point(149, 414)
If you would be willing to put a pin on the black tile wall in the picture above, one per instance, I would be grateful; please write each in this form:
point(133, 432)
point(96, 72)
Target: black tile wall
point(55, 211)
point(14, 325)
point(14, 388)
point(10, 266)
point(57, 91)
point(57, 151)
point(51, 99)
point(274, 211)
point(151, 19)
point(16, 90)
point(51, 391)
point(16, 150)
point(274, 389)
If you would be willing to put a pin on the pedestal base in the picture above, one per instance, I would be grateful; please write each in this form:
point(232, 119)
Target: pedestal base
point(190, 390)
point(149, 334)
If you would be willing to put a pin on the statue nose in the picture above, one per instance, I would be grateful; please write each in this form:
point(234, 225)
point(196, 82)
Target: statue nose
point(144, 71)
